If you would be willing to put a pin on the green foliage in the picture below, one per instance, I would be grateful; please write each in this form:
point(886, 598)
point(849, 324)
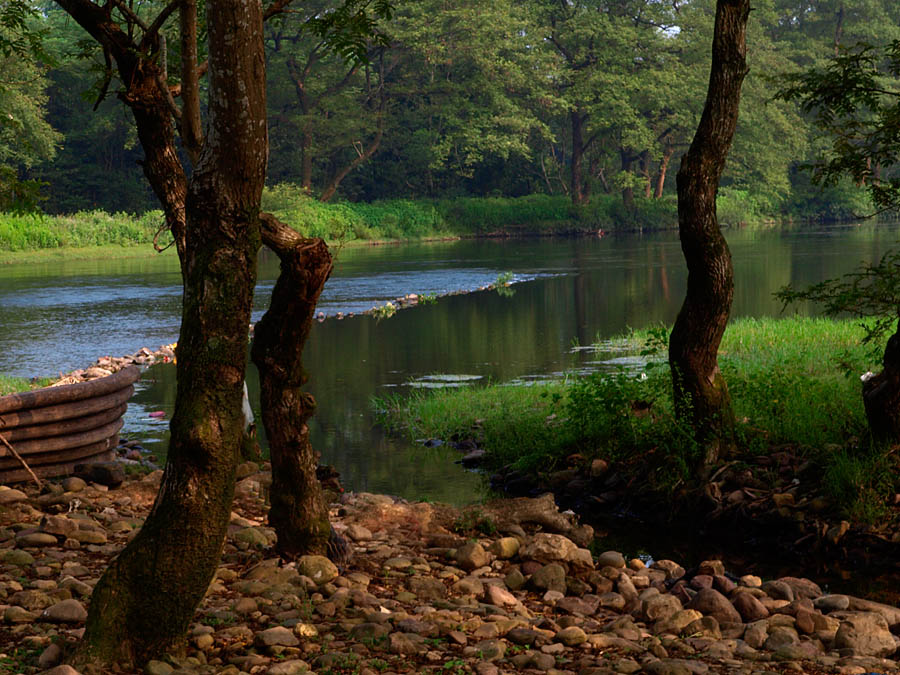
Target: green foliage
point(855, 101)
point(10, 385)
point(786, 377)
point(861, 481)
point(23, 232)
point(473, 520)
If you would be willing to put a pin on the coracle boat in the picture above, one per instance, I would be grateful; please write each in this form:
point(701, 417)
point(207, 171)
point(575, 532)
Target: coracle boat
point(47, 432)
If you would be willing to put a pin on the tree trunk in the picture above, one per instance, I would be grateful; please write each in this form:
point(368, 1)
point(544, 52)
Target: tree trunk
point(577, 181)
point(298, 511)
point(361, 157)
point(306, 157)
point(881, 395)
point(627, 191)
point(645, 172)
point(145, 600)
point(663, 169)
point(701, 396)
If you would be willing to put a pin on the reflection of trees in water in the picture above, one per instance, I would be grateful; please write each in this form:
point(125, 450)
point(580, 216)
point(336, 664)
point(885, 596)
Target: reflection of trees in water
point(605, 286)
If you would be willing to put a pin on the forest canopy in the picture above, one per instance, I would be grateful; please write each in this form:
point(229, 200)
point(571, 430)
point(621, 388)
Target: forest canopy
point(467, 98)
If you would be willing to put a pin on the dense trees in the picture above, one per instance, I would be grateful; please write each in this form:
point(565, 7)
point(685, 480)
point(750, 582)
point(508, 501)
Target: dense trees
point(504, 98)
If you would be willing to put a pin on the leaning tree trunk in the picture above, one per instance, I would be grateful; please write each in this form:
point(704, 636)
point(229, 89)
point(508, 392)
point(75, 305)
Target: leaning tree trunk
point(298, 511)
point(701, 396)
point(881, 395)
point(144, 602)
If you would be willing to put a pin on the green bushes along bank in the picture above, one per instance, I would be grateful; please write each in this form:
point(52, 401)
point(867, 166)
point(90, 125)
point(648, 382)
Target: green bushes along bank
point(794, 384)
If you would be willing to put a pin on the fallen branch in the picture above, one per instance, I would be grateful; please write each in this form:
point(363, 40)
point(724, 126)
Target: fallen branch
point(22, 461)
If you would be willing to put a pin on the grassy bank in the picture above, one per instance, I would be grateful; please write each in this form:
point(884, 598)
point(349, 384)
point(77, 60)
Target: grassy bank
point(347, 223)
point(9, 385)
point(122, 234)
point(794, 384)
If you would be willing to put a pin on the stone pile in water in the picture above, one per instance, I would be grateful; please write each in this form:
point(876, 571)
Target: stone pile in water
point(419, 597)
point(107, 365)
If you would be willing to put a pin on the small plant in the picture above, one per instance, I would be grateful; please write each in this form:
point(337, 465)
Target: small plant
point(503, 284)
point(384, 311)
point(428, 298)
point(474, 520)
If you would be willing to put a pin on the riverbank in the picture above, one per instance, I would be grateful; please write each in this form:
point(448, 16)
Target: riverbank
point(609, 444)
point(38, 238)
point(506, 587)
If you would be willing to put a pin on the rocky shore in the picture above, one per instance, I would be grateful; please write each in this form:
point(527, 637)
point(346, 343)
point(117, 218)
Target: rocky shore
point(503, 588)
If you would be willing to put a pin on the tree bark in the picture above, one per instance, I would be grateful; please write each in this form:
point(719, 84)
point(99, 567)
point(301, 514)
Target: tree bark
point(663, 169)
point(881, 395)
point(627, 192)
point(701, 395)
point(577, 181)
point(298, 511)
point(145, 600)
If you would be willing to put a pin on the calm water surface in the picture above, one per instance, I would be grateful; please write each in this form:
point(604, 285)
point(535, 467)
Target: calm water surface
point(59, 316)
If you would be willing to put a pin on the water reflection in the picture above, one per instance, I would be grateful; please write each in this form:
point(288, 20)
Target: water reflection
point(575, 291)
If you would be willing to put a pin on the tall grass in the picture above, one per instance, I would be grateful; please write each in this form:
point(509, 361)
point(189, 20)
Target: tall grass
point(29, 232)
point(9, 385)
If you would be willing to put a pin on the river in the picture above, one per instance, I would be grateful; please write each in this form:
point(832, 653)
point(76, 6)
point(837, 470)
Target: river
point(63, 315)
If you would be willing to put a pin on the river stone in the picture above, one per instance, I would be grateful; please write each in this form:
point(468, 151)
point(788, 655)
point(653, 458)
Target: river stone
point(779, 636)
point(357, 532)
point(515, 580)
point(571, 636)
point(407, 644)
point(705, 627)
point(36, 540)
point(584, 606)
point(16, 614)
point(67, 611)
point(548, 548)
point(50, 657)
point(10, 495)
point(290, 667)
point(831, 603)
point(277, 636)
point(676, 622)
point(471, 556)
point(890, 614)
point(550, 577)
point(490, 650)
point(468, 586)
point(535, 660)
point(251, 536)
point(500, 596)
point(671, 568)
point(749, 607)
point(31, 600)
point(525, 636)
point(111, 474)
point(505, 547)
point(89, 536)
point(369, 631)
point(778, 590)
point(802, 588)
point(427, 588)
point(63, 669)
point(867, 634)
point(318, 568)
point(660, 607)
point(73, 484)
point(712, 603)
point(58, 525)
point(158, 668)
point(611, 559)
